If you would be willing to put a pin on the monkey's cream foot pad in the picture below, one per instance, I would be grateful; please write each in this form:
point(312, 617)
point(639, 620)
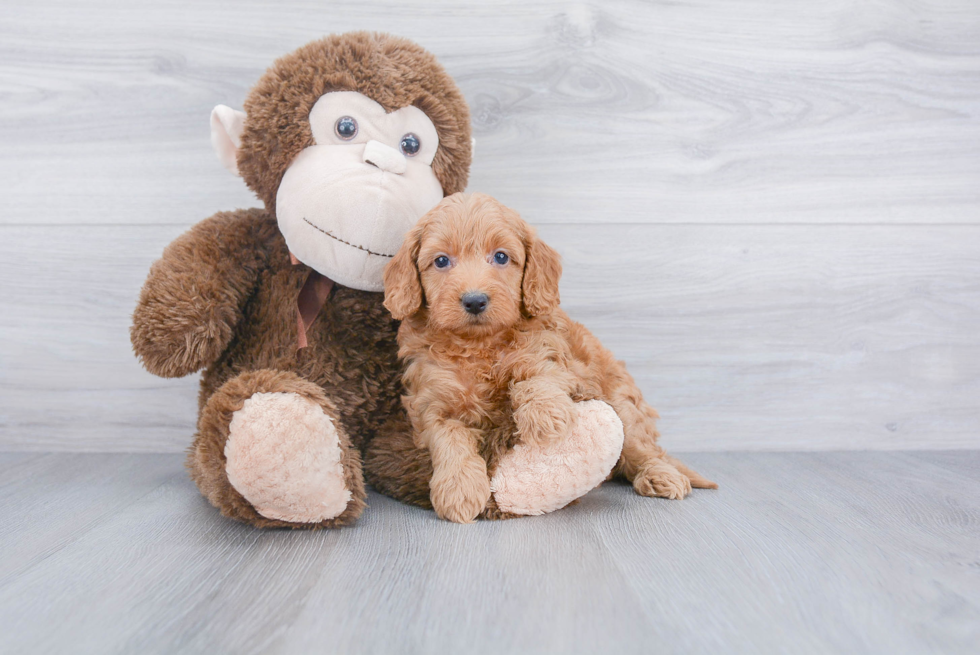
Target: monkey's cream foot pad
point(283, 455)
point(539, 480)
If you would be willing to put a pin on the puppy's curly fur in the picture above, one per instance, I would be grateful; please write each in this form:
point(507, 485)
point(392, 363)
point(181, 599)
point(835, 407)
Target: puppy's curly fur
point(477, 382)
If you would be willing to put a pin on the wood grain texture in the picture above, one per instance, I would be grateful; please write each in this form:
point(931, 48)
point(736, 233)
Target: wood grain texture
point(769, 212)
point(49, 502)
point(745, 337)
point(796, 553)
point(617, 110)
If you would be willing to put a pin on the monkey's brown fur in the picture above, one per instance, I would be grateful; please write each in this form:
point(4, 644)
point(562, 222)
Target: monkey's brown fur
point(392, 71)
point(474, 382)
point(223, 296)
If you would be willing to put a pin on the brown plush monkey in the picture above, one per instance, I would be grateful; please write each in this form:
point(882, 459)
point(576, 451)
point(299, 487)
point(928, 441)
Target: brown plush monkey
point(347, 141)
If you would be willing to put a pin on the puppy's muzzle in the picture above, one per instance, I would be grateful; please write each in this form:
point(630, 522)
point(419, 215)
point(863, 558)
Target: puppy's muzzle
point(475, 302)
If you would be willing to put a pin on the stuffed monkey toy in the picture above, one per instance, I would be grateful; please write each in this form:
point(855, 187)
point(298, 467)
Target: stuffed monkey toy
point(347, 142)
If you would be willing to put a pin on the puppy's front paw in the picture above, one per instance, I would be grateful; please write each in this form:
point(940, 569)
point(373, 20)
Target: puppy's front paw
point(542, 420)
point(460, 493)
point(662, 480)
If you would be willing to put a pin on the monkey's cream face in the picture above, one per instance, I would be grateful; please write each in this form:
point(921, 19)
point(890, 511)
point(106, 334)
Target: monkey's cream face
point(345, 204)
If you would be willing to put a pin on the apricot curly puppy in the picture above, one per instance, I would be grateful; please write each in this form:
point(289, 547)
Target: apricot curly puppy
point(486, 345)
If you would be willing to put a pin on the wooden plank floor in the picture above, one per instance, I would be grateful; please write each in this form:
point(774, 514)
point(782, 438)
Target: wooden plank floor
point(810, 553)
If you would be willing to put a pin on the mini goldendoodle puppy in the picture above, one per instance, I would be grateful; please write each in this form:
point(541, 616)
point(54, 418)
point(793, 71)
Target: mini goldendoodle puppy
point(487, 346)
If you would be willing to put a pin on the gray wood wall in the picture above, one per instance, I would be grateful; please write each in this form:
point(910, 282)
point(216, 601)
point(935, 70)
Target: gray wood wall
point(771, 210)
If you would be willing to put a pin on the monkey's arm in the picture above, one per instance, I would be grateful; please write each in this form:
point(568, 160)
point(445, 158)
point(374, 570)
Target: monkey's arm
point(192, 299)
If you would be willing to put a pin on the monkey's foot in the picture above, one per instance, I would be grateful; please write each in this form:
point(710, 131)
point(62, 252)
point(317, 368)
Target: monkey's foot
point(284, 456)
point(543, 478)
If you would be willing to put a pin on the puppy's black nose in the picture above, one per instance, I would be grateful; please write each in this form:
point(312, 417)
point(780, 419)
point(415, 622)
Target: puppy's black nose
point(474, 302)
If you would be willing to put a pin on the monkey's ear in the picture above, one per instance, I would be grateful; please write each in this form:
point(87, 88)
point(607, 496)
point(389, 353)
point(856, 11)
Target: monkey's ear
point(542, 271)
point(403, 289)
point(227, 125)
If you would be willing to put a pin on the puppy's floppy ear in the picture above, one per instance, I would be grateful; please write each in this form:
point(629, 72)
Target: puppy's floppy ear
point(403, 289)
point(542, 270)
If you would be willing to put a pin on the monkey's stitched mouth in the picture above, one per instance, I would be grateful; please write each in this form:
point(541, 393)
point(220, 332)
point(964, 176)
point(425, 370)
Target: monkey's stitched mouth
point(346, 243)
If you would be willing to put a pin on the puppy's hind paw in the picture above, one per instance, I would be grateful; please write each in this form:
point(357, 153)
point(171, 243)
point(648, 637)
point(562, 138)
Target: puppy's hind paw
point(663, 481)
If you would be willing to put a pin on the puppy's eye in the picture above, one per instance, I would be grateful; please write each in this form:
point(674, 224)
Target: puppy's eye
point(500, 257)
point(441, 261)
point(346, 128)
point(410, 145)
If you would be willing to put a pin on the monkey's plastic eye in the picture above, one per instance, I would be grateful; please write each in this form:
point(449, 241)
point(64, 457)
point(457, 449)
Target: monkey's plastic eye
point(500, 257)
point(441, 261)
point(346, 128)
point(410, 144)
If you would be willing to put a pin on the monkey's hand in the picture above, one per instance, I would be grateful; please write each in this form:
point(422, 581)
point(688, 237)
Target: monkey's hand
point(543, 412)
point(192, 299)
